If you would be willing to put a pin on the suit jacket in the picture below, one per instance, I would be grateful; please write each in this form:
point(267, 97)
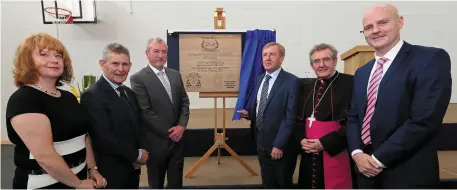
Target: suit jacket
point(279, 114)
point(412, 99)
point(159, 114)
point(115, 137)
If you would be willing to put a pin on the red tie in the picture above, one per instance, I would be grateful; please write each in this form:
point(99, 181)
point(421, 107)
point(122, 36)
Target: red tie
point(372, 93)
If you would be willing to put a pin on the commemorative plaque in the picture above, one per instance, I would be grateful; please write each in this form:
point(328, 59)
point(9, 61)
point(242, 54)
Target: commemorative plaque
point(210, 62)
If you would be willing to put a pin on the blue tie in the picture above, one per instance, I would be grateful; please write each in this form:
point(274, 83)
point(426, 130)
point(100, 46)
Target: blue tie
point(262, 103)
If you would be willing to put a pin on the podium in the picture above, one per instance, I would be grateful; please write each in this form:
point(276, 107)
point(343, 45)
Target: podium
point(356, 57)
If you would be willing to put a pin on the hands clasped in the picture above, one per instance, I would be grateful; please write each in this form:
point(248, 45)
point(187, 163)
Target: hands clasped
point(366, 164)
point(311, 145)
point(96, 179)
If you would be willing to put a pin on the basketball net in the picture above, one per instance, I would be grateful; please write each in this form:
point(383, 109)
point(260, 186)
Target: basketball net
point(62, 16)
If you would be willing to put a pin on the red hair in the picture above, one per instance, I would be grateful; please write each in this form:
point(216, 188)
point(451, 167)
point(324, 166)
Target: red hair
point(25, 70)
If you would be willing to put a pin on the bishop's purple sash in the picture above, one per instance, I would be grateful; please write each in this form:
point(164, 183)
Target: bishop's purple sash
point(337, 169)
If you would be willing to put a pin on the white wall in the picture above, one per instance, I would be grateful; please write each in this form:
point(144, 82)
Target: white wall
point(299, 26)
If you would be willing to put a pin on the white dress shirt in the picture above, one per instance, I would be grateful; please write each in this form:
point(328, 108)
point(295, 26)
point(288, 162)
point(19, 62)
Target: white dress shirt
point(114, 86)
point(157, 70)
point(390, 55)
point(273, 75)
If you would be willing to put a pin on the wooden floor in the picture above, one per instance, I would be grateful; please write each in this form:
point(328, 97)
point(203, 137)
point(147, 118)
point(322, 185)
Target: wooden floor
point(448, 164)
point(451, 114)
point(230, 172)
point(204, 118)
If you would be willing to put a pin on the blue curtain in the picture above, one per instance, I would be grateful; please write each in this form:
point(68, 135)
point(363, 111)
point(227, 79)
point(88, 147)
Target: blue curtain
point(251, 67)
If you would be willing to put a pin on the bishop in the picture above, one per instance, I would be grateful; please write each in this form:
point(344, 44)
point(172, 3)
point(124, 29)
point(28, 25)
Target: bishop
point(325, 162)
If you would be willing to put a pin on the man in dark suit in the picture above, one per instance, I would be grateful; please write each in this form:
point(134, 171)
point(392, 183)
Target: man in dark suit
point(114, 116)
point(165, 113)
point(273, 119)
point(395, 116)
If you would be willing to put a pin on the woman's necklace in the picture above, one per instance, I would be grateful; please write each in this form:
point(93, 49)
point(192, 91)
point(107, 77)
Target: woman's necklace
point(55, 94)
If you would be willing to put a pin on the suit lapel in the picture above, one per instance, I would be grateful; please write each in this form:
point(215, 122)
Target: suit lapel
point(366, 77)
point(157, 84)
point(173, 85)
point(114, 97)
point(257, 85)
point(109, 90)
point(275, 86)
point(396, 63)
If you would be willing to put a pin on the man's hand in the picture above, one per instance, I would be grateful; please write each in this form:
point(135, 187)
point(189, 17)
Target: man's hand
point(176, 133)
point(311, 145)
point(366, 164)
point(244, 114)
point(144, 157)
point(136, 165)
point(276, 154)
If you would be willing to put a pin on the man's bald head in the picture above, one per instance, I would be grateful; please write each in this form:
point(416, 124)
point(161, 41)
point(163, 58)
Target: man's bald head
point(381, 26)
point(385, 8)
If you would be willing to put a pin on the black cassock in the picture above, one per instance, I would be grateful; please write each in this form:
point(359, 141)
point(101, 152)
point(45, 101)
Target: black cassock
point(334, 106)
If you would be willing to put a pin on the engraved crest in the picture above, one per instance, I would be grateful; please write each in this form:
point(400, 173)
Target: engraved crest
point(210, 45)
point(193, 80)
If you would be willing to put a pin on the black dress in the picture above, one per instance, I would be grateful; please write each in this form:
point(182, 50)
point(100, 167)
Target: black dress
point(68, 126)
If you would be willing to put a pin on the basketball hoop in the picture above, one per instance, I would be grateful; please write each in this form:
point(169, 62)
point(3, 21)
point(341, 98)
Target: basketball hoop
point(62, 16)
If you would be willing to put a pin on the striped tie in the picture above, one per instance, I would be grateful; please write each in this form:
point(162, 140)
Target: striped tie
point(372, 95)
point(262, 103)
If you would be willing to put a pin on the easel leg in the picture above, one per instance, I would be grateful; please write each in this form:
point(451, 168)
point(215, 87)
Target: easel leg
point(219, 142)
point(221, 136)
point(216, 133)
point(200, 162)
point(235, 155)
point(218, 155)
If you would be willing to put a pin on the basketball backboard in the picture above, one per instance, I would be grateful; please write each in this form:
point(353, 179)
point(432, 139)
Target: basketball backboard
point(82, 11)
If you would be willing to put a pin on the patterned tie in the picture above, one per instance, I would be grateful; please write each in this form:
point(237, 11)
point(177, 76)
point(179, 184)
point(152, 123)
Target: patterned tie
point(125, 99)
point(263, 102)
point(165, 83)
point(372, 96)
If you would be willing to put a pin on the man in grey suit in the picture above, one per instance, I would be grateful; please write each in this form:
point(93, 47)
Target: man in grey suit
point(165, 112)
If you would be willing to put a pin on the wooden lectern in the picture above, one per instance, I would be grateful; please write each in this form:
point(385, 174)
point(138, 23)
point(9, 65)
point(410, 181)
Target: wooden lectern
point(356, 57)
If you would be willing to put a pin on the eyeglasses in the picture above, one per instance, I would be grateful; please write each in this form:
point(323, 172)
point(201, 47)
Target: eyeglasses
point(325, 60)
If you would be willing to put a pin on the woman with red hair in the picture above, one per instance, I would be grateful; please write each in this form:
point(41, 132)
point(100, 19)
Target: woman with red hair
point(47, 124)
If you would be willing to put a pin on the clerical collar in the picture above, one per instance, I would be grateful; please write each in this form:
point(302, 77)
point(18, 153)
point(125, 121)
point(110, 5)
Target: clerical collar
point(325, 81)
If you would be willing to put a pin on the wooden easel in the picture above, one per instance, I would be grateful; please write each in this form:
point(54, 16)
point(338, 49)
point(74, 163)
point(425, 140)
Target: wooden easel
point(219, 138)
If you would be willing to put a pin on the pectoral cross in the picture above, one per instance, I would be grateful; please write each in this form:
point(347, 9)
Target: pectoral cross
point(311, 120)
